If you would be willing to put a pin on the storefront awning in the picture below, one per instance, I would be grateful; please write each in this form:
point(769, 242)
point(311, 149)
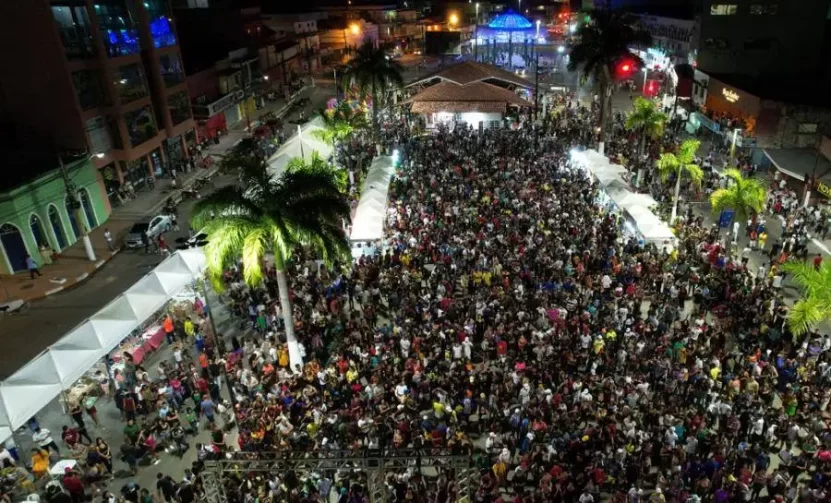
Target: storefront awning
point(40, 381)
point(800, 163)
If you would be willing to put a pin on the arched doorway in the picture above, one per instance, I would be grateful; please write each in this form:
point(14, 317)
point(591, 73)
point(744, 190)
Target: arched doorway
point(15, 247)
point(70, 212)
point(38, 232)
point(57, 226)
point(87, 205)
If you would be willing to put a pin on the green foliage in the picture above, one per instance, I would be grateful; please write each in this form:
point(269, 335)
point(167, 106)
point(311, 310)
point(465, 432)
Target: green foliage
point(744, 195)
point(339, 123)
point(303, 207)
point(604, 41)
point(319, 164)
point(374, 74)
point(815, 305)
point(681, 163)
point(646, 117)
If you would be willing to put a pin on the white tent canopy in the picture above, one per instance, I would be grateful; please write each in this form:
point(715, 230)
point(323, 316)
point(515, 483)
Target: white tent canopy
point(368, 224)
point(300, 144)
point(57, 368)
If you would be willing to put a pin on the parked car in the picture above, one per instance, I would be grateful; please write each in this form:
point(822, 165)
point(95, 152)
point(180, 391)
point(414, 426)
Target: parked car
point(198, 240)
point(152, 226)
point(159, 224)
point(133, 238)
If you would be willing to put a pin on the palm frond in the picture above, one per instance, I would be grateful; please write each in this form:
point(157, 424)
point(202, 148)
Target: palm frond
point(228, 200)
point(694, 173)
point(667, 164)
point(806, 277)
point(253, 249)
point(806, 314)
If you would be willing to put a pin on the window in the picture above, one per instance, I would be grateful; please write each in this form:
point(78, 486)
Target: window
point(115, 134)
point(129, 83)
point(141, 126)
point(118, 31)
point(763, 9)
point(724, 9)
point(87, 88)
point(161, 26)
point(74, 29)
point(171, 68)
point(179, 105)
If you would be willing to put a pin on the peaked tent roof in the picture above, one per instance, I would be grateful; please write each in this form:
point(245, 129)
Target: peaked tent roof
point(471, 71)
point(473, 97)
point(510, 20)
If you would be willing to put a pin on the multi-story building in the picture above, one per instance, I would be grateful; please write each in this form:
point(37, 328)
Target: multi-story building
point(223, 75)
point(759, 37)
point(112, 76)
point(302, 29)
point(674, 38)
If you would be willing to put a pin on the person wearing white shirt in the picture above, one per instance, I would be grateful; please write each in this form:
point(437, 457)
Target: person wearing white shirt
point(43, 438)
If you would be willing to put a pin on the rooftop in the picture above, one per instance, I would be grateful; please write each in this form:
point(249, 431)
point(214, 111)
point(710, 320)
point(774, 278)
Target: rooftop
point(472, 97)
point(470, 71)
point(510, 20)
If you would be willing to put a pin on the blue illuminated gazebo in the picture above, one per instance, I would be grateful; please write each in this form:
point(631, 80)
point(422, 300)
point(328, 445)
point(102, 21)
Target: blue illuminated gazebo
point(495, 42)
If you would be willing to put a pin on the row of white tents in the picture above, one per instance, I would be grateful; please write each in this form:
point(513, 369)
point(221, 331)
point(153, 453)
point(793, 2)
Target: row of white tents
point(635, 206)
point(58, 367)
point(300, 144)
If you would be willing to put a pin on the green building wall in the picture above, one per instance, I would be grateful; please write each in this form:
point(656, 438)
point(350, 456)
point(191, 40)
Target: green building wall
point(18, 205)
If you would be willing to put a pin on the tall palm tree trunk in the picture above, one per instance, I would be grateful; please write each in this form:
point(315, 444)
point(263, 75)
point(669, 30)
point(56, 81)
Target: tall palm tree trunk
point(675, 199)
point(605, 108)
point(295, 358)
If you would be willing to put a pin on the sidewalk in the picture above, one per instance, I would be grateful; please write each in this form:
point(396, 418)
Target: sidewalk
point(73, 266)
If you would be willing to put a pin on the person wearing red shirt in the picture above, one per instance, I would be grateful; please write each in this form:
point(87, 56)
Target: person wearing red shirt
point(817, 261)
point(73, 485)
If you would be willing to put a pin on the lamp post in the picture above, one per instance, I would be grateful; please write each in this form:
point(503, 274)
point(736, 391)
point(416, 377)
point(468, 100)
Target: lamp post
point(75, 202)
point(477, 12)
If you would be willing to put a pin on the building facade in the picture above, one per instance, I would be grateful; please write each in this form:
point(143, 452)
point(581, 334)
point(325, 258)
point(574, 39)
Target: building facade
point(675, 38)
point(37, 215)
point(759, 37)
point(112, 79)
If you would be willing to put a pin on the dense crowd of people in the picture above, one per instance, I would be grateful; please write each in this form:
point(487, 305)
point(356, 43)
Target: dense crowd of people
point(511, 317)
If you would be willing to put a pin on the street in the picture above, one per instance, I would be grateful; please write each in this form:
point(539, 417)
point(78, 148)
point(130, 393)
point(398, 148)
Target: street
point(44, 321)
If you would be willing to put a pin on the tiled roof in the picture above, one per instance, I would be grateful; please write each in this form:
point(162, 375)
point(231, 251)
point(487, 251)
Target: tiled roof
point(471, 71)
point(474, 97)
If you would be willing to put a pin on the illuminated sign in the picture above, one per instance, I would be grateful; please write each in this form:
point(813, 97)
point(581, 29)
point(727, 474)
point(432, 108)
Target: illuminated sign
point(729, 95)
point(823, 189)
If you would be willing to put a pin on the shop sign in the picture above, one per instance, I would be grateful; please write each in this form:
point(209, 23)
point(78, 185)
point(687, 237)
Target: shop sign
point(730, 95)
point(823, 189)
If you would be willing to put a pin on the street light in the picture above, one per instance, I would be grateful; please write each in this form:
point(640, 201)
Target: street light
point(356, 30)
point(75, 202)
point(477, 12)
point(454, 19)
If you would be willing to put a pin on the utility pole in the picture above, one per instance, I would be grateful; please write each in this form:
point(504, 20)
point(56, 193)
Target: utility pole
point(75, 203)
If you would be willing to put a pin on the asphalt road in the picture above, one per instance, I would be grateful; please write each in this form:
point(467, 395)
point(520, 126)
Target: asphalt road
point(25, 335)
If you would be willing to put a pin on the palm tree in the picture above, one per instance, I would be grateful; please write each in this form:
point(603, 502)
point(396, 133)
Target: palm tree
point(268, 215)
point(374, 74)
point(647, 119)
point(815, 305)
point(604, 42)
point(338, 123)
point(745, 196)
point(680, 164)
point(319, 164)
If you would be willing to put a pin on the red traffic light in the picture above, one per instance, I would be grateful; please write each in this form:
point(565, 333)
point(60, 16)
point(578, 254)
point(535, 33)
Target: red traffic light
point(625, 67)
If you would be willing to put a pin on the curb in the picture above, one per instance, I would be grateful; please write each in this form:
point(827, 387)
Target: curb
point(79, 279)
